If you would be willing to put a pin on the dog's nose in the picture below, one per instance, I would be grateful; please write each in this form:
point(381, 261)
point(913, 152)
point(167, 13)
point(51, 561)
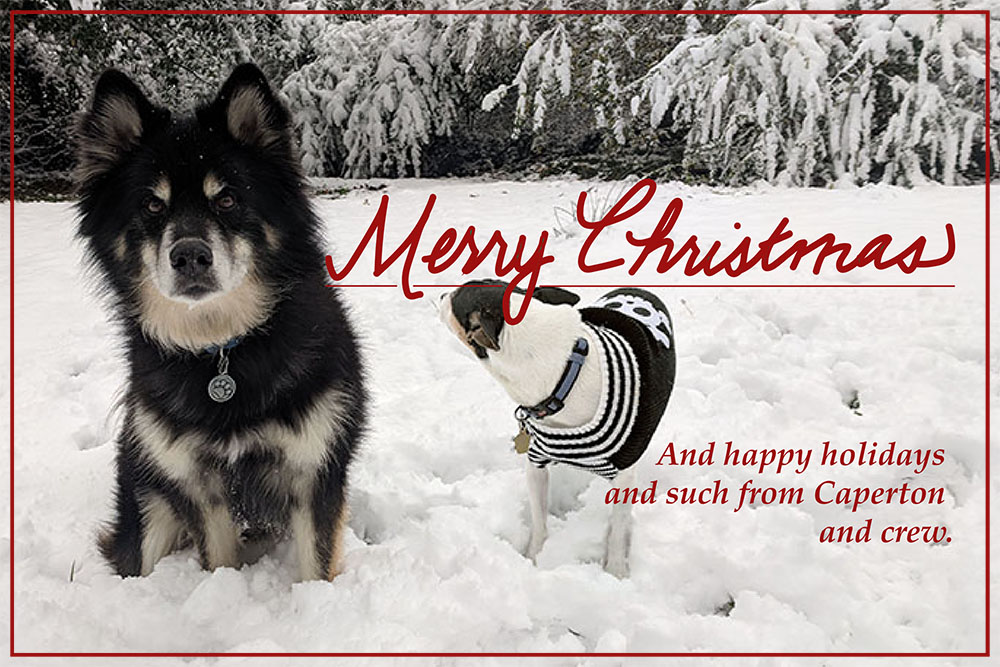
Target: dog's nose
point(439, 305)
point(191, 257)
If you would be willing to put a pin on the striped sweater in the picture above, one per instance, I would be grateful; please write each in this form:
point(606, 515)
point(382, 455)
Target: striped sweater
point(635, 347)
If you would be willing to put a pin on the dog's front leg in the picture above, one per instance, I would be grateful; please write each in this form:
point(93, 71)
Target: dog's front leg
point(219, 541)
point(147, 522)
point(538, 501)
point(121, 542)
point(317, 523)
point(619, 536)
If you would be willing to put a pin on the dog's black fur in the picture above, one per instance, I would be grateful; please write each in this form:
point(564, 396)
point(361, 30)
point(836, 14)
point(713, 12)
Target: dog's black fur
point(482, 300)
point(190, 469)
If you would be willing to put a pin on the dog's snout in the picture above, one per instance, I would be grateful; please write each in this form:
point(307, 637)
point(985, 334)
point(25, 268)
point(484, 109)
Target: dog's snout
point(191, 257)
point(442, 305)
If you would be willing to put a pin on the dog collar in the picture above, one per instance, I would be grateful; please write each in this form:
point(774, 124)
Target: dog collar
point(228, 345)
point(593, 445)
point(222, 387)
point(554, 403)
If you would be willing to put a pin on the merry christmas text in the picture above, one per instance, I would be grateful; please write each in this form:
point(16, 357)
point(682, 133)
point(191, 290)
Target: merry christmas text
point(779, 250)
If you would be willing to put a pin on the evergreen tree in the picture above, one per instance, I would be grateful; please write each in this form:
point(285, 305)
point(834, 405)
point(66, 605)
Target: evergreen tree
point(789, 99)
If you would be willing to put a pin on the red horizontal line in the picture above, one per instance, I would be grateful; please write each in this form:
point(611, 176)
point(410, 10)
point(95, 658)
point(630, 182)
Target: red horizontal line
point(675, 285)
point(21, 654)
point(504, 12)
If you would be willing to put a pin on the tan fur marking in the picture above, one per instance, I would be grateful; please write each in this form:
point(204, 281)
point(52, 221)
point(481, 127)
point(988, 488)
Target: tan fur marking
point(221, 537)
point(242, 259)
point(121, 119)
point(178, 325)
point(306, 448)
point(106, 135)
point(161, 531)
point(162, 188)
point(247, 118)
point(271, 236)
point(174, 455)
point(304, 535)
point(337, 543)
point(121, 247)
point(212, 185)
point(307, 445)
point(148, 252)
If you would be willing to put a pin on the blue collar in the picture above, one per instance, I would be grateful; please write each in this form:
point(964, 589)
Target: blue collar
point(554, 403)
point(228, 345)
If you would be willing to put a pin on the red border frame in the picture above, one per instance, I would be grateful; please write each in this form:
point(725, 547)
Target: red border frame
point(985, 14)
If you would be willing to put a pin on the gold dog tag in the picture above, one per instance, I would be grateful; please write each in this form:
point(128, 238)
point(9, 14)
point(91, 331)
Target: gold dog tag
point(521, 441)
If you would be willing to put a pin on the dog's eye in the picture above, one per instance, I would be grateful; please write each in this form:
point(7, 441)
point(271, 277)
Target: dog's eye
point(224, 202)
point(155, 205)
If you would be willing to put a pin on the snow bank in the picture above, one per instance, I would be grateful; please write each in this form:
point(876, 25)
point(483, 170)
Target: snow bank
point(438, 500)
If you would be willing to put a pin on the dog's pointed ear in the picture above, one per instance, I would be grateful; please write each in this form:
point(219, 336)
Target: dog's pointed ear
point(486, 329)
point(253, 115)
point(113, 126)
point(555, 296)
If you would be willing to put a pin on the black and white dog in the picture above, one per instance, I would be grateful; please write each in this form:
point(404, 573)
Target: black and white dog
point(591, 385)
point(245, 398)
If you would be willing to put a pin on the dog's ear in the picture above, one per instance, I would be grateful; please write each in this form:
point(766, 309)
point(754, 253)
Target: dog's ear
point(253, 115)
point(486, 328)
point(555, 296)
point(113, 126)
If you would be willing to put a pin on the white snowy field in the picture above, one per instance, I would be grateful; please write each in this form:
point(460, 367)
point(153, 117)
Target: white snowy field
point(438, 504)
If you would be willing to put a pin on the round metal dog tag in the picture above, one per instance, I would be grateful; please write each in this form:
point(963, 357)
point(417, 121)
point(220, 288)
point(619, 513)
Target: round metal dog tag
point(221, 388)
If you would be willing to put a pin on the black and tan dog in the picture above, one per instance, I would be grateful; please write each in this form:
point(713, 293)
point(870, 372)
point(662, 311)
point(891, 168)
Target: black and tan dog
point(245, 398)
point(591, 385)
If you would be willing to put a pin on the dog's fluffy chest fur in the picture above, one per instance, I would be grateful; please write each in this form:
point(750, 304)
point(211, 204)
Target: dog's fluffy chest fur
point(259, 453)
point(259, 472)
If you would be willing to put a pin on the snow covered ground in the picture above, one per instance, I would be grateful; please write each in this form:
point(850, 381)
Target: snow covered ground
point(438, 501)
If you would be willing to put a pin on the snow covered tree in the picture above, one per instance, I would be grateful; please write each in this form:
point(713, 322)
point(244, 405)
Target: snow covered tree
point(911, 99)
point(789, 99)
point(373, 92)
point(59, 57)
point(752, 98)
point(792, 99)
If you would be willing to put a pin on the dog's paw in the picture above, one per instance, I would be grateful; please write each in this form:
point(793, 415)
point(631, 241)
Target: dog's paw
point(616, 564)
